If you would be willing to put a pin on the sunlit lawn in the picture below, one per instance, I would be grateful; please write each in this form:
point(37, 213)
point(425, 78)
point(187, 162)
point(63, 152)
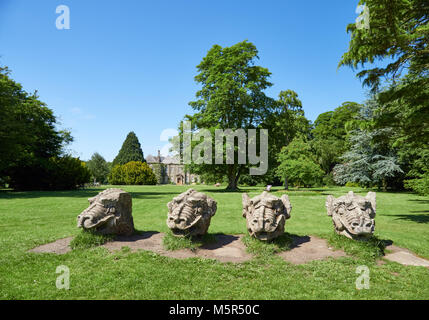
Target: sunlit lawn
point(28, 219)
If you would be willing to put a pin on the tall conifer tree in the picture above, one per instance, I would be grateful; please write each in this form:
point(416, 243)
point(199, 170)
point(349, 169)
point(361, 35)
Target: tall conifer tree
point(130, 151)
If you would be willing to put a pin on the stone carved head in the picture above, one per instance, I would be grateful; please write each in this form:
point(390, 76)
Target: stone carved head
point(109, 212)
point(190, 213)
point(266, 215)
point(353, 215)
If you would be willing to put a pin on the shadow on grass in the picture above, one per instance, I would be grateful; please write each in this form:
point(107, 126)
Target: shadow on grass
point(81, 193)
point(422, 201)
point(419, 218)
point(241, 190)
point(151, 194)
point(309, 190)
point(386, 243)
point(335, 192)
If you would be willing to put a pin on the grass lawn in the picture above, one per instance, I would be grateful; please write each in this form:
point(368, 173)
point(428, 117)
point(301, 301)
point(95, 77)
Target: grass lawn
point(29, 219)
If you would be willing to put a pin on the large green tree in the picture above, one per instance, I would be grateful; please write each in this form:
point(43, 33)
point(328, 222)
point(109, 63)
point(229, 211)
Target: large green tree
point(285, 122)
point(231, 97)
point(398, 33)
point(98, 167)
point(330, 133)
point(298, 164)
point(32, 153)
point(398, 37)
point(27, 127)
point(370, 159)
point(366, 163)
point(130, 151)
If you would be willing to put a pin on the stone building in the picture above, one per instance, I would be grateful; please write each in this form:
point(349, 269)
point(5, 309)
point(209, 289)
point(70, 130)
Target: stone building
point(171, 170)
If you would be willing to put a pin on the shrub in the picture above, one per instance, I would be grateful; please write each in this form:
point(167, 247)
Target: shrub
point(352, 184)
point(116, 175)
point(69, 173)
point(328, 180)
point(132, 173)
point(56, 173)
point(298, 165)
point(421, 185)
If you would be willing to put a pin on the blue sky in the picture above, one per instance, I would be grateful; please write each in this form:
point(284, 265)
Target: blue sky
point(129, 65)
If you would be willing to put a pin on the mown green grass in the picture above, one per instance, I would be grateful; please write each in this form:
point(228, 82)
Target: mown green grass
point(29, 219)
point(89, 239)
point(368, 250)
point(265, 249)
point(170, 242)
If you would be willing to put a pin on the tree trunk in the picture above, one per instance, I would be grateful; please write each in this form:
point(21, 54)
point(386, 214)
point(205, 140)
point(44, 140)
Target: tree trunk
point(384, 185)
point(233, 176)
point(286, 184)
point(232, 185)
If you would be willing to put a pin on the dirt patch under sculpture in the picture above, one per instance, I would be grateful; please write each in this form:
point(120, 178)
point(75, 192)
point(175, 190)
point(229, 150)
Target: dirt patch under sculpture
point(306, 249)
point(60, 246)
point(230, 248)
point(226, 248)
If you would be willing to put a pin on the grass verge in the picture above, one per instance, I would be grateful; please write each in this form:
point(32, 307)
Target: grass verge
point(89, 239)
point(262, 249)
point(170, 242)
point(370, 250)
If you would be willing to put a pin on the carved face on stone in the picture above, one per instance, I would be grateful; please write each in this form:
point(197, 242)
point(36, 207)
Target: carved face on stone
point(190, 213)
point(353, 215)
point(266, 215)
point(109, 212)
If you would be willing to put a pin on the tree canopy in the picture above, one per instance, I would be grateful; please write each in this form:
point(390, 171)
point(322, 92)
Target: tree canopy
point(130, 151)
point(98, 167)
point(298, 165)
point(231, 97)
point(27, 127)
point(398, 37)
point(330, 133)
point(31, 146)
point(399, 32)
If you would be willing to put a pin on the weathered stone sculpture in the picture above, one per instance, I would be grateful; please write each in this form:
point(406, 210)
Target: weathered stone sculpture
point(266, 215)
point(353, 215)
point(109, 212)
point(189, 213)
